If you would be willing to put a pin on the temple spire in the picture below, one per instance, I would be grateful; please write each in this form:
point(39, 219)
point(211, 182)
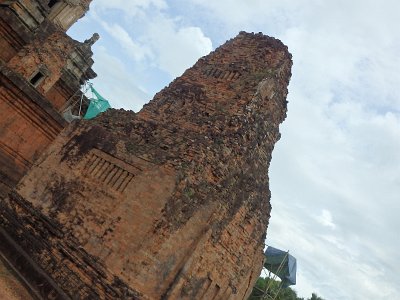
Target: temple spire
point(65, 13)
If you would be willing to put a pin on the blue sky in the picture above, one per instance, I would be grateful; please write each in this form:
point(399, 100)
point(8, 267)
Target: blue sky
point(335, 173)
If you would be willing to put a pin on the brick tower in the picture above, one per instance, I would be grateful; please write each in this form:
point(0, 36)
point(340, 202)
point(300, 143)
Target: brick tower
point(168, 203)
point(41, 69)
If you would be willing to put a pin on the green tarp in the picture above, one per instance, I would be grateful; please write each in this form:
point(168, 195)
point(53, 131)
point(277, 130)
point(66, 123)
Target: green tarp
point(96, 106)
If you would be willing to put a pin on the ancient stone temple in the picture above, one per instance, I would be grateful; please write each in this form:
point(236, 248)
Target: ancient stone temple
point(168, 203)
point(41, 69)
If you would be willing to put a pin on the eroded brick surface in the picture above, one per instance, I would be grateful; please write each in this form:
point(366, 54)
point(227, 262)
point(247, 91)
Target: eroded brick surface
point(41, 69)
point(168, 203)
point(32, 41)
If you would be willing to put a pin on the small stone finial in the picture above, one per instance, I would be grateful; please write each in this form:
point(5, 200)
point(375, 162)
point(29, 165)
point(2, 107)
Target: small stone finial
point(93, 39)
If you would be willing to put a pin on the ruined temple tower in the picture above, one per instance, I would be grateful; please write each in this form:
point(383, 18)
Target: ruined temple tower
point(41, 69)
point(168, 203)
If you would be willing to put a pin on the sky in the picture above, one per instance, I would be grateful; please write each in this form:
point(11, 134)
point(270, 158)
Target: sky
point(335, 173)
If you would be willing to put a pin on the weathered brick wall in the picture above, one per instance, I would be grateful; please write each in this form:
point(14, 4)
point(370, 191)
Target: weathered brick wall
point(14, 34)
point(28, 124)
point(30, 117)
point(52, 50)
point(30, 114)
point(172, 202)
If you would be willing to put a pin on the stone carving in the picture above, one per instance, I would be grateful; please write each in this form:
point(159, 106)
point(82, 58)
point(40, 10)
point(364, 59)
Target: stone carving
point(95, 37)
point(108, 170)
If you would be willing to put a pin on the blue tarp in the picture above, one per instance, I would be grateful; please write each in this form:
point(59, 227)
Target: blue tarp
point(282, 264)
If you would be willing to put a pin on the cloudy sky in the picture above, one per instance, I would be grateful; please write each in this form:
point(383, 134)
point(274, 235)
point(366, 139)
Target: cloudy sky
point(335, 174)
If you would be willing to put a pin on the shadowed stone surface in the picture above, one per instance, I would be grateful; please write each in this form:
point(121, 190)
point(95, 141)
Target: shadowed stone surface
point(168, 203)
point(10, 287)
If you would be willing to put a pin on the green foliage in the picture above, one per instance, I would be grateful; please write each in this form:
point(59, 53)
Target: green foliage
point(315, 297)
point(273, 291)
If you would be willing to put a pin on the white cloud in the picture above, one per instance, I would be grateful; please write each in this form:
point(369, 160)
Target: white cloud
point(136, 51)
point(131, 7)
point(325, 219)
point(163, 41)
point(177, 48)
point(239, 13)
point(115, 82)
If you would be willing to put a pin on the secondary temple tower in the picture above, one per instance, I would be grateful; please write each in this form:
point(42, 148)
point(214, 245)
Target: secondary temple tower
point(168, 203)
point(41, 69)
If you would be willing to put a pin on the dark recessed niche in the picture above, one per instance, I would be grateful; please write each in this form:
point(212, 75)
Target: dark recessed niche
point(36, 79)
point(52, 3)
